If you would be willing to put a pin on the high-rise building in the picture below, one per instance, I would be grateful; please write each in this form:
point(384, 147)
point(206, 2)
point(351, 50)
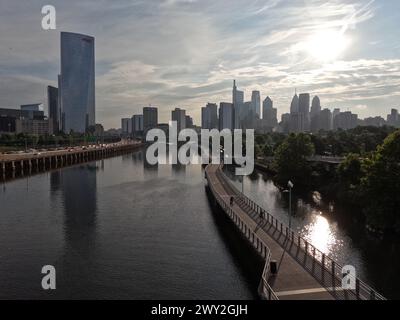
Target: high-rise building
point(209, 116)
point(256, 103)
point(150, 118)
point(226, 116)
point(393, 118)
point(189, 122)
point(237, 100)
point(294, 106)
point(345, 121)
point(126, 126)
point(77, 82)
point(54, 110)
point(179, 115)
point(324, 120)
point(315, 106)
point(269, 113)
point(304, 109)
point(137, 125)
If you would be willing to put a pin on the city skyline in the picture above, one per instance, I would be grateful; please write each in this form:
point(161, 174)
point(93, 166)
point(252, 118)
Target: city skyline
point(338, 51)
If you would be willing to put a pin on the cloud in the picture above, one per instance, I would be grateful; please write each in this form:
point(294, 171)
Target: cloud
point(186, 53)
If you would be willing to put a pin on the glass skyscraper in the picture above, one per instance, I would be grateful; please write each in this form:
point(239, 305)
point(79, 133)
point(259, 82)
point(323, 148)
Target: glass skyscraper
point(77, 82)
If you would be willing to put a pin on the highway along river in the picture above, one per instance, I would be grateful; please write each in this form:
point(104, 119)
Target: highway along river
point(121, 229)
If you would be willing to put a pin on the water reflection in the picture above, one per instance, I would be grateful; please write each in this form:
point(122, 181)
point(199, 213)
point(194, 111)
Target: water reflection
point(315, 223)
point(320, 234)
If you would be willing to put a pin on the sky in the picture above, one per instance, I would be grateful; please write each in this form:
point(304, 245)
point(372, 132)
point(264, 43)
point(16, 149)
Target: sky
point(185, 53)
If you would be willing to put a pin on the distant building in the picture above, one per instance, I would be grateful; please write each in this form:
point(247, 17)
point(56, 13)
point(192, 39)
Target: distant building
point(393, 119)
point(35, 127)
point(226, 116)
point(209, 116)
point(374, 122)
point(238, 101)
point(269, 113)
point(150, 118)
point(179, 115)
point(137, 125)
point(189, 122)
point(324, 120)
point(285, 123)
point(126, 126)
point(32, 107)
point(345, 121)
point(294, 106)
point(7, 124)
point(315, 114)
point(54, 110)
point(304, 110)
point(77, 82)
point(256, 103)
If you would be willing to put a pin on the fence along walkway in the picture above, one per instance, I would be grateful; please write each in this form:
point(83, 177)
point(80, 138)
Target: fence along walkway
point(304, 272)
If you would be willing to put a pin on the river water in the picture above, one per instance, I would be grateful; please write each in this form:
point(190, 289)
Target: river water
point(331, 230)
point(122, 229)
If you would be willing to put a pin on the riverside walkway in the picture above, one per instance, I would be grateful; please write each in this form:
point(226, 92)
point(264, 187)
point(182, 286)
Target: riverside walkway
point(303, 272)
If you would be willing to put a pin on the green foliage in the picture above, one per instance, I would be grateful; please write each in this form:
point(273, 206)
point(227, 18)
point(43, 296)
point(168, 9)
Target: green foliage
point(291, 159)
point(381, 185)
point(349, 175)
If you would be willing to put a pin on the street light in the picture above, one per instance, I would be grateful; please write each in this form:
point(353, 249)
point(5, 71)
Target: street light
point(290, 186)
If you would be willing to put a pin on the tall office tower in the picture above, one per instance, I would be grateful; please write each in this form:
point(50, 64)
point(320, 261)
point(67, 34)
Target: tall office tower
point(315, 106)
point(269, 113)
point(237, 100)
point(393, 118)
point(150, 118)
point(324, 120)
point(209, 116)
point(294, 106)
point(77, 82)
point(54, 110)
point(226, 116)
point(285, 123)
point(314, 114)
point(256, 103)
point(304, 109)
point(179, 115)
point(137, 125)
point(335, 113)
point(126, 126)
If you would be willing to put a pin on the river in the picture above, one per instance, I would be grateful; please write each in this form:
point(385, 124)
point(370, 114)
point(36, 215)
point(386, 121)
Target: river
point(121, 229)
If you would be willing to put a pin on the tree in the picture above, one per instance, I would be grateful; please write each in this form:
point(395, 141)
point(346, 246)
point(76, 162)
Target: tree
point(381, 185)
point(291, 159)
point(349, 173)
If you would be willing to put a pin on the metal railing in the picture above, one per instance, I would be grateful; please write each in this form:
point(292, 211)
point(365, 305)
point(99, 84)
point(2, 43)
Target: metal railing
point(324, 269)
point(265, 289)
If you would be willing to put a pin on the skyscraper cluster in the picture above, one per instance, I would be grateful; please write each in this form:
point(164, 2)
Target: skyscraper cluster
point(240, 114)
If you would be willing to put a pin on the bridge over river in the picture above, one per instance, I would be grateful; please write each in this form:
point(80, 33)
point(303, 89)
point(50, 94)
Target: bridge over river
point(303, 272)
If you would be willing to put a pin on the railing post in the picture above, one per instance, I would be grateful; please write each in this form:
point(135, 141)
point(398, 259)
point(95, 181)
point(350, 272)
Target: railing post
point(358, 289)
point(372, 295)
point(333, 275)
point(323, 266)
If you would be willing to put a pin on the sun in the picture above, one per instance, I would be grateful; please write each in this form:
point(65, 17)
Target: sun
point(327, 45)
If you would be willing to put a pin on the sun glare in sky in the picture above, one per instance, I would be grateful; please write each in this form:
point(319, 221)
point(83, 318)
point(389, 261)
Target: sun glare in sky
point(327, 45)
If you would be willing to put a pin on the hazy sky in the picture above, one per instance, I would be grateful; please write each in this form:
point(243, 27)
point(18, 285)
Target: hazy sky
point(185, 53)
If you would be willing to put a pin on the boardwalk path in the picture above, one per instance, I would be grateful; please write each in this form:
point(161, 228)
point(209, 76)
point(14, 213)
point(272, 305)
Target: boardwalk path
point(303, 271)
